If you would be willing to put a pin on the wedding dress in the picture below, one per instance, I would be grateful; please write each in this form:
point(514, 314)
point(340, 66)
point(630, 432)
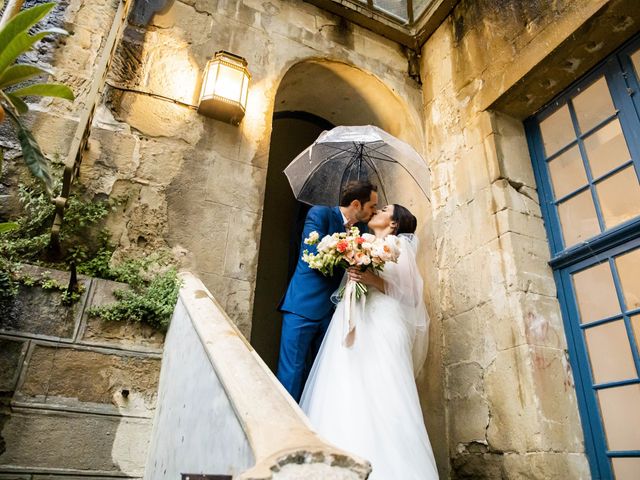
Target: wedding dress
point(363, 398)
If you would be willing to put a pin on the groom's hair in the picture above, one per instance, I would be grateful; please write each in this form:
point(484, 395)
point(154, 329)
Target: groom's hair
point(406, 222)
point(357, 190)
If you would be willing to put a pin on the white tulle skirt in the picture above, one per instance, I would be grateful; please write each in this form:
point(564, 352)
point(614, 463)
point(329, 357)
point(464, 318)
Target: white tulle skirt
point(363, 399)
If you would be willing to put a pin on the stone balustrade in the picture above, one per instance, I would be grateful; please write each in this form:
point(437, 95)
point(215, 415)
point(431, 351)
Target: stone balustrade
point(221, 411)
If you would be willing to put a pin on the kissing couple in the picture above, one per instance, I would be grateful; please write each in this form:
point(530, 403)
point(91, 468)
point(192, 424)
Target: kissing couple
point(361, 397)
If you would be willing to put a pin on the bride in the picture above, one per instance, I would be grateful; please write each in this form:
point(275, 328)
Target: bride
point(363, 398)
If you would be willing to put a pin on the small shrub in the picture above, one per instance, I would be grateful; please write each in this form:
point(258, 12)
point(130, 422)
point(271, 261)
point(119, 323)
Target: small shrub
point(149, 301)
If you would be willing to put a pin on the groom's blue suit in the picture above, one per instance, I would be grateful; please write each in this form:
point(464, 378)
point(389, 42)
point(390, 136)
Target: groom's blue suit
point(307, 307)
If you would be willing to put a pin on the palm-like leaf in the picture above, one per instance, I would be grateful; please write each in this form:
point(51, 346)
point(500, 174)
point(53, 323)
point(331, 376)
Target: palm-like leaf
point(14, 41)
point(33, 156)
point(16, 102)
point(22, 43)
point(23, 21)
point(20, 73)
point(45, 90)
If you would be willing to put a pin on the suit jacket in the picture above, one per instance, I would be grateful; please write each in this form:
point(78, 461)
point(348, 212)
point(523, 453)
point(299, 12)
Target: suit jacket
point(309, 291)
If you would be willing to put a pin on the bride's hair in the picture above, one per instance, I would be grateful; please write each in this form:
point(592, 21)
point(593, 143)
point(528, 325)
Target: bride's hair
point(406, 222)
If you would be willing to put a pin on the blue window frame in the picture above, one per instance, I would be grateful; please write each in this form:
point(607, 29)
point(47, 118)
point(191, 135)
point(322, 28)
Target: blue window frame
point(591, 227)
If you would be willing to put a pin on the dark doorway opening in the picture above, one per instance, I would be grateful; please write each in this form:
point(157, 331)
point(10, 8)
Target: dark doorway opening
point(282, 224)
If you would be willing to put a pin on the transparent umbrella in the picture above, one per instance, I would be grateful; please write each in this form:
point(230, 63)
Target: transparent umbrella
point(342, 154)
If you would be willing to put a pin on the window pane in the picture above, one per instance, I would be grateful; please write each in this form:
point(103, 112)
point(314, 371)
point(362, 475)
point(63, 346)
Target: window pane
point(626, 468)
point(557, 131)
point(606, 149)
point(578, 218)
point(628, 266)
point(610, 352)
point(619, 197)
point(635, 59)
point(394, 7)
point(635, 326)
point(567, 172)
point(593, 105)
point(621, 416)
point(595, 293)
point(419, 6)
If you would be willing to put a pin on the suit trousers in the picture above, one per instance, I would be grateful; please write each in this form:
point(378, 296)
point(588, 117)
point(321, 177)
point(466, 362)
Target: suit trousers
point(299, 345)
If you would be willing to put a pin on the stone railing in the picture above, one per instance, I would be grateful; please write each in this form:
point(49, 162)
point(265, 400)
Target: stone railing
point(222, 412)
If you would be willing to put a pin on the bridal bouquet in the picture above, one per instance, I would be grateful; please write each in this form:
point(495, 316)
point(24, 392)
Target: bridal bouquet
point(349, 249)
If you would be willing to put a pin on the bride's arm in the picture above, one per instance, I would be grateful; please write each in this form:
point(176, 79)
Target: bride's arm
point(368, 277)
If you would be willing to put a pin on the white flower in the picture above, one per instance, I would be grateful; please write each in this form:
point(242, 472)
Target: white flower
point(313, 238)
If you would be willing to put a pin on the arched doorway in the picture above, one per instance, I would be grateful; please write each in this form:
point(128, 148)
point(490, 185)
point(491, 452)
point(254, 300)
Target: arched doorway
point(313, 96)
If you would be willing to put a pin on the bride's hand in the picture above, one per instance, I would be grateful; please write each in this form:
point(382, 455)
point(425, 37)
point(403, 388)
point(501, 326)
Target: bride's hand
point(368, 277)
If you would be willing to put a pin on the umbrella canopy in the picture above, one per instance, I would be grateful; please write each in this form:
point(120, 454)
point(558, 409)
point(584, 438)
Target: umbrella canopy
point(342, 154)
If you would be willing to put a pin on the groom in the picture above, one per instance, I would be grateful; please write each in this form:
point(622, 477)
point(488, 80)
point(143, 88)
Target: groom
point(306, 307)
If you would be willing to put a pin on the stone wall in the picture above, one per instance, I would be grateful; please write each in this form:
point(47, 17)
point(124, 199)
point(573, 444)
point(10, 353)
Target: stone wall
point(510, 400)
point(77, 395)
point(195, 183)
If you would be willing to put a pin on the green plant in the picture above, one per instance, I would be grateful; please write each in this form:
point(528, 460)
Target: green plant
point(149, 301)
point(15, 40)
point(153, 279)
point(30, 239)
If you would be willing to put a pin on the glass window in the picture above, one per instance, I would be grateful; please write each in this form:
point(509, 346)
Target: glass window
point(628, 266)
point(593, 105)
point(619, 197)
point(610, 352)
point(557, 130)
point(606, 149)
point(578, 218)
point(393, 7)
point(626, 468)
point(586, 151)
point(596, 293)
point(635, 326)
point(567, 172)
point(621, 416)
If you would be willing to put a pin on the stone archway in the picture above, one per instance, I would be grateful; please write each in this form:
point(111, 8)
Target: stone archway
point(313, 96)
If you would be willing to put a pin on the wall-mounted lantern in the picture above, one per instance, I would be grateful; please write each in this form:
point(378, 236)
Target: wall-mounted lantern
point(225, 87)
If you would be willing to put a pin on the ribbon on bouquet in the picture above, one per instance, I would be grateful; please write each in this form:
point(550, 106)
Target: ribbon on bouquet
point(354, 303)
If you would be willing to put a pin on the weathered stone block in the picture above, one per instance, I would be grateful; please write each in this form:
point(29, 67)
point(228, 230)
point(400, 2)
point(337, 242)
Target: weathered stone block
point(547, 465)
point(526, 267)
point(513, 425)
point(478, 466)
point(124, 334)
point(467, 339)
point(532, 401)
point(521, 223)
point(111, 156)
point(465, 392)
point(160, 162)
point(11, 354)
point(201, 227)
point(37, 440)
point(239, 305)
point(54, 134)
point(241, 259)
point(41, 312)
point(71, 376)
point(515, 197)
point(512, 149)
point(158, 118)
point(236, 184)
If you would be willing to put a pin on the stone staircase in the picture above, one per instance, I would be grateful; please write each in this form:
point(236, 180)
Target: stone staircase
point(77, 394)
